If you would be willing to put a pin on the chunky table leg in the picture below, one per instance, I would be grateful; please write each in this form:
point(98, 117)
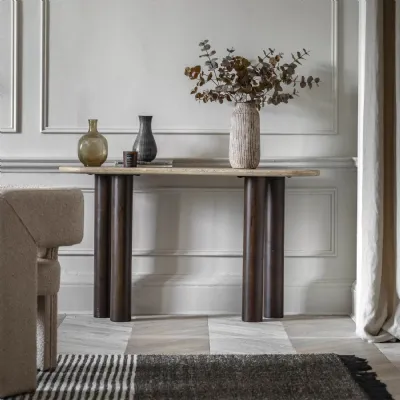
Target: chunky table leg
point(253, 244)
point(102, 246)
point(274, 247)
point(121, 248)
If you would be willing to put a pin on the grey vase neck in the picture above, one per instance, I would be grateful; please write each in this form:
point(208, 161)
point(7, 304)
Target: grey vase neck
point(145, 124)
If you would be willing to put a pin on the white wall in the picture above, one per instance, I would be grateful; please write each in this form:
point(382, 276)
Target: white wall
point(64, 61)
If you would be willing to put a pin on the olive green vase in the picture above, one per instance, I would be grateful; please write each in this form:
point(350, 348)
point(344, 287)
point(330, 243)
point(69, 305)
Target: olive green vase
point(92, 147)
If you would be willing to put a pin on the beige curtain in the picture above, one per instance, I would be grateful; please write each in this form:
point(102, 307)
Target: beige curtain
point(377, 288)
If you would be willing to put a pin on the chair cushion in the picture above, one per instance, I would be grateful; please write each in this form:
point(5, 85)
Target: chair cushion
point(48, 276)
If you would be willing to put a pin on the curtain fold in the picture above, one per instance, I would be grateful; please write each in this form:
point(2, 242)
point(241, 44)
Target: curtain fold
point(377, 301)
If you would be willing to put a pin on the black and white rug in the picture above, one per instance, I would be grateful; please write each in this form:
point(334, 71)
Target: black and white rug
point(272, 377)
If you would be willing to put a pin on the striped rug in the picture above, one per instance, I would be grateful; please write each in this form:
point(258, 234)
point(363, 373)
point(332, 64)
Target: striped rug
point(87, 377)
point(272, 377)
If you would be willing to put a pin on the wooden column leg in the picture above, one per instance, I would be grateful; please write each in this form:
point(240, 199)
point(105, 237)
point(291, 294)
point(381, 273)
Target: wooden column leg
point(274, 247)
point(102, 246)
point(253, 243)
point(121, 248)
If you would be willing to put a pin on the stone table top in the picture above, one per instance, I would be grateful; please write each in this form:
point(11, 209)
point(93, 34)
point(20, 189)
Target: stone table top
point(260, 172)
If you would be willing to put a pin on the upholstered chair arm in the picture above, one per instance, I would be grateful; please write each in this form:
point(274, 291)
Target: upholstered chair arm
point(53, 217)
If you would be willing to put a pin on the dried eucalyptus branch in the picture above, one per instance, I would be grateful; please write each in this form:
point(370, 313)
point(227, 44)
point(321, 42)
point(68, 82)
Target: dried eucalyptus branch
point(237, 79)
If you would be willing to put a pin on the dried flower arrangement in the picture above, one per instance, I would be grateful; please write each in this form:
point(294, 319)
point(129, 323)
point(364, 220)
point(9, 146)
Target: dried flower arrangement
point(237, 79)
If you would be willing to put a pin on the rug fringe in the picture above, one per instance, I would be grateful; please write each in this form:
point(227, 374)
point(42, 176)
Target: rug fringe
point(362, 373)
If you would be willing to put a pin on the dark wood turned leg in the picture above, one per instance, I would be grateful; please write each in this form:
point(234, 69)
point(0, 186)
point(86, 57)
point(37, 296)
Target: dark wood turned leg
point(253, 244)
point(102, 198)
point(121, 248)
point(274, 247)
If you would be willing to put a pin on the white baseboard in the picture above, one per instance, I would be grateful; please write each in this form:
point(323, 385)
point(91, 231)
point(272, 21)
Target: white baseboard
point(155, 295)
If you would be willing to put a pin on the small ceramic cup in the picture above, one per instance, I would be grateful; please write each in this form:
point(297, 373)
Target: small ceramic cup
point(130, 159)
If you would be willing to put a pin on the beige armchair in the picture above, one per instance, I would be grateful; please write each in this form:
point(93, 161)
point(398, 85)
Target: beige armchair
point(33, 224)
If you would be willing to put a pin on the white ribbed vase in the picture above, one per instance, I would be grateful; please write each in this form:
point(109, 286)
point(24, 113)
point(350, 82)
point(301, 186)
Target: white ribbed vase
point(244, 141)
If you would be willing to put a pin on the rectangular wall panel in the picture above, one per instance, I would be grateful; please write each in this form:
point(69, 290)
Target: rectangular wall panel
point(124, 58)
point(207, 222)
point(8, 65)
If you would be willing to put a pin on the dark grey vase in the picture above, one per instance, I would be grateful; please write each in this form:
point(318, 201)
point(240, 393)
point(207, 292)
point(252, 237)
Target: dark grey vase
point(145, 145)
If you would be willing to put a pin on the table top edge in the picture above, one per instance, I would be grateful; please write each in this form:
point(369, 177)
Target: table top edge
point(189, 171)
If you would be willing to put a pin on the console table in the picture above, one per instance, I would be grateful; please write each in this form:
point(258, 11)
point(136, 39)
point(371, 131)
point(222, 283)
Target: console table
point(263, 236)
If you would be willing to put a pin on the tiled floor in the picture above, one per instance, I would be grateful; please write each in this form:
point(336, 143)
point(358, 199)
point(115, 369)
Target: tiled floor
point(228, 334)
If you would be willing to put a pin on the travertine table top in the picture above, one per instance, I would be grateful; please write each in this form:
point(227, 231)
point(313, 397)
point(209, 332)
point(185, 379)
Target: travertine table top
point(260, 172)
